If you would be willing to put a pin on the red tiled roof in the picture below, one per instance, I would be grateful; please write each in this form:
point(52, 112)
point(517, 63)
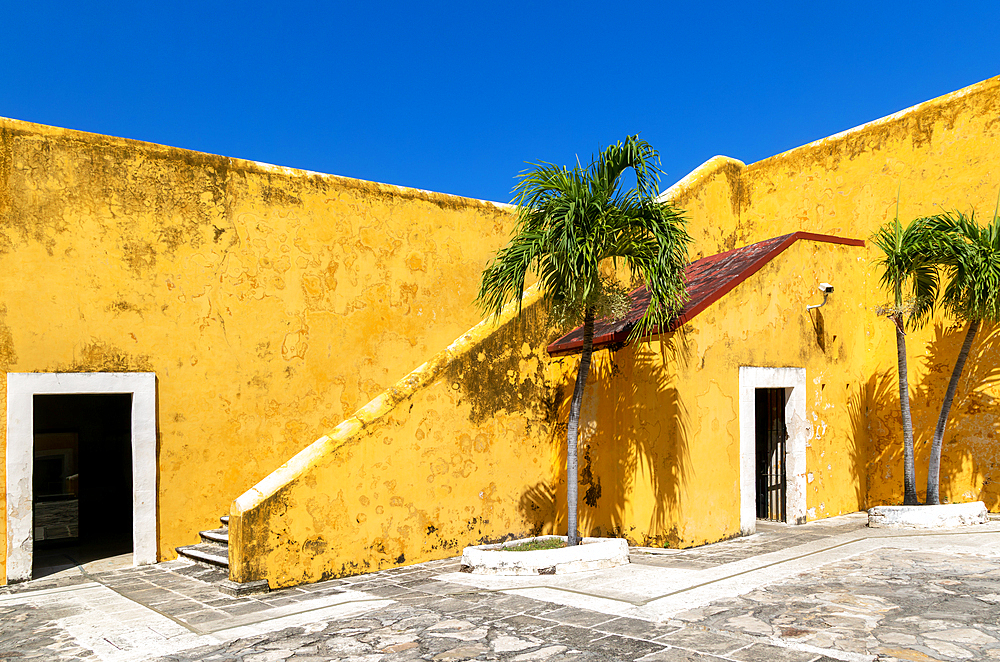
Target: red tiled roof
point(708, 279)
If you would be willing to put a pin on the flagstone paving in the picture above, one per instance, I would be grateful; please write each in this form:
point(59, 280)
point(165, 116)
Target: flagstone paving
point(831, 590)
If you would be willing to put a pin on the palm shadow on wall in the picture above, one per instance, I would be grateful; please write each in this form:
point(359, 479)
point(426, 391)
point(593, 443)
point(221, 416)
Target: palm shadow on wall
point(632, 451)
point(876, 449)
point(972, 436)
point(508, 378)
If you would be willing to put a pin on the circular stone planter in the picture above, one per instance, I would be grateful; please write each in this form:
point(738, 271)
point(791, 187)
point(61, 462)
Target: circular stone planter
point(928, 517)
point(593, 554)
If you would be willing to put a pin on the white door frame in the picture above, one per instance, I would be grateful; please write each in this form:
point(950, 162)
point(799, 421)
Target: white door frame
point(793, 380)
point(21, 391)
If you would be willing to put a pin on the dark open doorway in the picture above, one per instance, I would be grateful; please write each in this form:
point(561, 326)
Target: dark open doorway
point(82, 501)
point(770, 453)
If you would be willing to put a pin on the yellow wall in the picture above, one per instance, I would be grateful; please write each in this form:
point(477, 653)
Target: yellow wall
point(444, 459)
point(271, 303)
point(660, 430)
point(939, 155)
point(661, 445)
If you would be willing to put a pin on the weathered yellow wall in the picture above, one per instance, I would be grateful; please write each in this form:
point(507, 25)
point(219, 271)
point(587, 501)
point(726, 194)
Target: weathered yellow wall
point(3, 465)
point(271, 303)
point(660, 446)
point(712, 196)
point(444, 459)
point(660, 443)
point(939, 155)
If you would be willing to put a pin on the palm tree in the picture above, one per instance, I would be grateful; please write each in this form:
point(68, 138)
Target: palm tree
point(972, 260)
point(570, 222)
point(910, 272)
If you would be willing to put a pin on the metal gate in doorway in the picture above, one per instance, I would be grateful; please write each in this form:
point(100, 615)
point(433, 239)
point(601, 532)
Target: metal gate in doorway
point(771, 436)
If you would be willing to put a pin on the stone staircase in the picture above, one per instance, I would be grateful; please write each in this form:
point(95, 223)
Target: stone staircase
point(213, 549)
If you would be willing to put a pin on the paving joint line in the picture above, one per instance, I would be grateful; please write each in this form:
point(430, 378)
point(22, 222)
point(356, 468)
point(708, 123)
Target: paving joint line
point(177, 621)
point(749, 570)
point(295, 613)
point(645, 602)
point(10, 597)
point(800, 557)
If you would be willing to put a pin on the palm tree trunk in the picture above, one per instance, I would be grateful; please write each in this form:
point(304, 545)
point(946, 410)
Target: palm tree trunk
point(909, 473)
point(572, 469)
point(934, 464)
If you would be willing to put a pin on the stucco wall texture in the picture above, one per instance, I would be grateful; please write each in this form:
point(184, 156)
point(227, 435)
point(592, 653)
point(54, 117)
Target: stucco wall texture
point(940, 155)
point(274, 303)
point(271, 303)
point(441, 460)
point(660, 447)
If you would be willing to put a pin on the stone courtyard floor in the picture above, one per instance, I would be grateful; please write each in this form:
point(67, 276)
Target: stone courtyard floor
point(829, 590)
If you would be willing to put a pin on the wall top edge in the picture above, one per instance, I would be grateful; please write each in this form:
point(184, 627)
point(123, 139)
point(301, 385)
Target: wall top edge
point(22, 127)
point(692, 179)
point(873, 125)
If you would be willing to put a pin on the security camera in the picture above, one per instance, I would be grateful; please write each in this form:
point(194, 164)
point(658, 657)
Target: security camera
point(825, 288)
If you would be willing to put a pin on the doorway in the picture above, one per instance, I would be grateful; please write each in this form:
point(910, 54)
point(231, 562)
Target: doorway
point(785, 404)
point(82, 492)
point(771, 435)
point(63, 443)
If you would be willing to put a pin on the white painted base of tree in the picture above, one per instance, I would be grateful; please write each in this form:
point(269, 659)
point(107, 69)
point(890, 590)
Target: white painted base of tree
point(928, 517)
point(593, 554)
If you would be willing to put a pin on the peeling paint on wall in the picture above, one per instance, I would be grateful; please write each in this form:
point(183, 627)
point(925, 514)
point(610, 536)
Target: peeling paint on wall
point(439, 461)
point(271, 303)
point(8, 357)
point(938, 156)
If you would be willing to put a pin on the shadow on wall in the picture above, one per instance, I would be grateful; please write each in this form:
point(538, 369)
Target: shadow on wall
point(440, 460)
point(972, 437)
point(876, 437)
point(508, 379)
point(541, 506)
point(819, 327)
point(509, 373)
point(632, 449)
point(643, 447)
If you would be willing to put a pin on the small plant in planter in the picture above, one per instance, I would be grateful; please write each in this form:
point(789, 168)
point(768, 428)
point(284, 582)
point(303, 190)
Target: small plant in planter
point(544, 555)
point(536, 544)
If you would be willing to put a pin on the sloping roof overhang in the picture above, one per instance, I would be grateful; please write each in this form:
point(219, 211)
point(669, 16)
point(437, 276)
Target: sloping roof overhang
point(708, 280)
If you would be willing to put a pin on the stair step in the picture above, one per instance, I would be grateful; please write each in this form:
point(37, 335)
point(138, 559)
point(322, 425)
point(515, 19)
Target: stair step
point(225, 520)
point(219, 536)
point(210, 553)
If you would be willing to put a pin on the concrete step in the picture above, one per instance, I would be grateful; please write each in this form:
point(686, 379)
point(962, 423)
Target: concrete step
point(207, 552)
point(218, 536)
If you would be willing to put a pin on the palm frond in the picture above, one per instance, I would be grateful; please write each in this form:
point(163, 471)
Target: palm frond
point(971, 256)
point(909, 264)
point(570, 221)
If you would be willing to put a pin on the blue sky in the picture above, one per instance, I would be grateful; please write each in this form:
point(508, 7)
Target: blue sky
point(455, 97)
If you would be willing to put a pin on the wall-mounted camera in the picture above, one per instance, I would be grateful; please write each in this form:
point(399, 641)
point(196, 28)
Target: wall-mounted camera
point(825, 288)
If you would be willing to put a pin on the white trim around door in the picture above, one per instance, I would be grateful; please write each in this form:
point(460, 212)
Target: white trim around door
point(793, 380)
point(21, 390)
